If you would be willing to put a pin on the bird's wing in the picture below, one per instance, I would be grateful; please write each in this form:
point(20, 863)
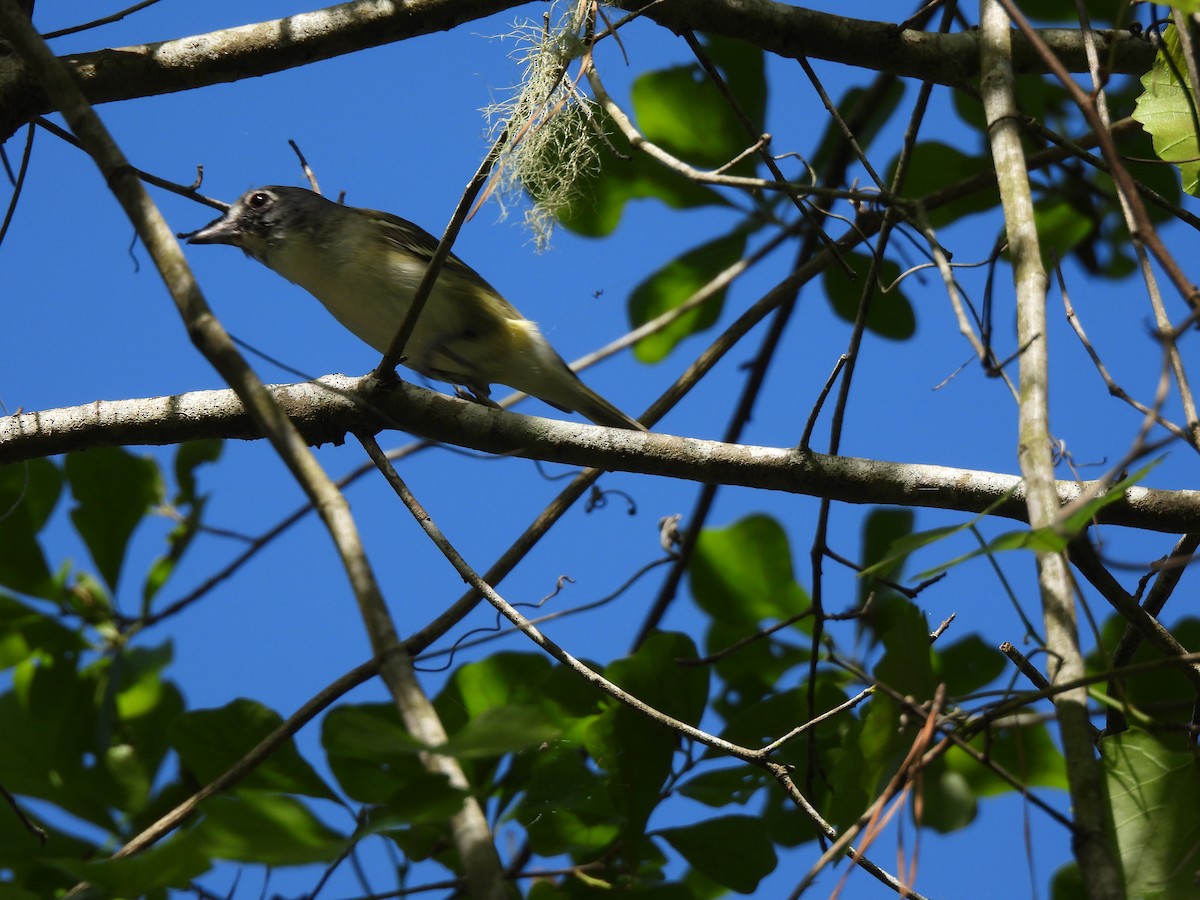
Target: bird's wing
point(414, 239)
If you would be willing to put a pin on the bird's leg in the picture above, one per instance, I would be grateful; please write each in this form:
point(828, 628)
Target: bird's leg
point(476, 394)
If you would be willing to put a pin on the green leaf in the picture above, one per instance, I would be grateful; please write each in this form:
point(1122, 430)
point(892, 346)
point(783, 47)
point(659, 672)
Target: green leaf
point(722, 787)
point(188, 458)
point(733, 850)
point(565, 805)
point(890, 315)
point(52, 747)
point(948, 802)
point(29, 492)
point(676, 282)
point(25, 632)
point(210, 741)
point(113, 490)
point(935, 166)
point(1051, 539)
point(833, 140)
point(601, 194)
point(1027, 751)
point(1166, 110)
point(906, 665)
point(682, 111)
point(966, 665)
point(1154, 793)
point(882, 530)
point(1067, 883)
point(373, 758)
point(495, 732)
point(1061, 228)
point(635, 751)
point(171, 864)
point(755, 668)
point(266, 829)
point(743, 574)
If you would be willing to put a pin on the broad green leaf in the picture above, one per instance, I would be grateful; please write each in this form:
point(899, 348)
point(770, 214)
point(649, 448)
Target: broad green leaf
point(676, 282)
point(882, 529)
point(1158, 688)
point(966, 665)
point(495, 732)
point(948, 801)
point(601, 194)
point(188, 458)
point(29, 492)
point(24, 632)
point(1067, 883)
point(721, 787)
point(373, 758)
point(1167, 110)
point(1154, 793)
point(565, 806)
point(504, 680)
point(742, 574)
point(734, 851)
point(752, 670)
point(1061, 228)
point(635, 751)
point(427, 798)
point(498, 681)
point(682, 111)
point(906, 665)
point(174, 863)
point(265, 829)
point(890, 314)
point(52, 747)
point(210, 741)
point(935, 166)
point(1027, 752)
point(113, 491)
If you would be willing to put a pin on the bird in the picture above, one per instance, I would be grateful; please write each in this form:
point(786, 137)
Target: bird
point(365, 265)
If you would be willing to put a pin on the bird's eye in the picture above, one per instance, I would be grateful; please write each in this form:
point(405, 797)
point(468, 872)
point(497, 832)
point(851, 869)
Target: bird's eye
point(259, 200)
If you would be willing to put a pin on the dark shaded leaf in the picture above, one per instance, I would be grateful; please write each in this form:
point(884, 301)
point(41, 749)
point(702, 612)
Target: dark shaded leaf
point(890, 315)
point(266, 829)
point(210, 741)
point(29, 492)
point(113, 490)
point(733, 850)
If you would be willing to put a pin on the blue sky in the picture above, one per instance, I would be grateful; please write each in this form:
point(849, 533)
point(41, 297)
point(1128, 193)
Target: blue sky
point(398, 128)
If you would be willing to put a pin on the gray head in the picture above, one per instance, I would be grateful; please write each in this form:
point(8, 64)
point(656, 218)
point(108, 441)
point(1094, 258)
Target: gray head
point(263, 217)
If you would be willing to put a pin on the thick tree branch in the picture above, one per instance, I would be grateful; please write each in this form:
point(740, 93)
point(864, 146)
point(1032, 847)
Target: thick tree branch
point(258, 49)
point(326, 410)
point(1093, 851)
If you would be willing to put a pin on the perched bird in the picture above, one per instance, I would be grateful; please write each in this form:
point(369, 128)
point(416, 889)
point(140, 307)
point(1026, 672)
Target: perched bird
point(364, 266)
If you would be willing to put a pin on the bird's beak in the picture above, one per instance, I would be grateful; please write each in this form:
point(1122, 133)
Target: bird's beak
point(219, 231)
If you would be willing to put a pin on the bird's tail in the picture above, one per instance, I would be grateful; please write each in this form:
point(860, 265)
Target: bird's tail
point(588, 403)
point(536, 369)
point(556, 384)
